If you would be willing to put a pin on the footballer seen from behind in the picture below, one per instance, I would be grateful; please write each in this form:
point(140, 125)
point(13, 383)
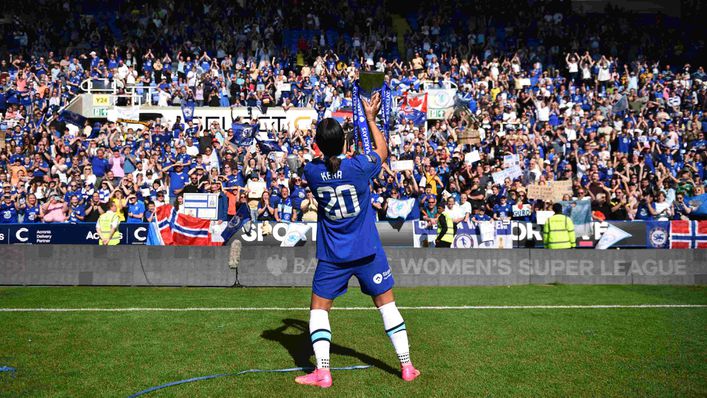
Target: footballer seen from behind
point(347, 241)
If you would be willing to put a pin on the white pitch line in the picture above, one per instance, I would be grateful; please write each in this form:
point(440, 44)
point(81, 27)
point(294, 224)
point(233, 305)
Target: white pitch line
point(462, 307)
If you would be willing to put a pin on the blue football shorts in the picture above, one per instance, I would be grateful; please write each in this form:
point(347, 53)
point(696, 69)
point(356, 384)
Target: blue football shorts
point(331, 280)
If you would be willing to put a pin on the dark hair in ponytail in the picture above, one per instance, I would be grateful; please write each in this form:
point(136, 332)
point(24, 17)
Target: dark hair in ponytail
point(330, 139)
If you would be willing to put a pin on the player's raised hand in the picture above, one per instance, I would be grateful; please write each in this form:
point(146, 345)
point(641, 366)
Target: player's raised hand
point(371, 107)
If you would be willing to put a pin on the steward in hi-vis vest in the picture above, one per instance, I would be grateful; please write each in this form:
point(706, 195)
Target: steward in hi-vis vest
point(107, 226)
point(446, 225)
point(558, 231)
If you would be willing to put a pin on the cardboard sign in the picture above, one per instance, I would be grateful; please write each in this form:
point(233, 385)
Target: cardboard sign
point(542, 192)
point(469, 137)
point(560, 189)
point(550, 193)
point(402, 165)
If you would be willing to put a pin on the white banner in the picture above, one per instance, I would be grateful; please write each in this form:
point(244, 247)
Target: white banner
point(440, 98)
point(398, 208)
point(274, 117)
point(125, 112)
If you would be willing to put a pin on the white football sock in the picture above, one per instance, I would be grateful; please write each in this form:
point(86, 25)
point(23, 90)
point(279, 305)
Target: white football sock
point(395, 328)
point(320, 333)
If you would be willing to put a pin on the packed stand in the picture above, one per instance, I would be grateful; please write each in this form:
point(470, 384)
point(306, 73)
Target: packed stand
point(588, 102)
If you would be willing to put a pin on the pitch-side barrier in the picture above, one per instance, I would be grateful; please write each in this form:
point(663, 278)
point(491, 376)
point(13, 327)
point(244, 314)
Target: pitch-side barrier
point(275, 266)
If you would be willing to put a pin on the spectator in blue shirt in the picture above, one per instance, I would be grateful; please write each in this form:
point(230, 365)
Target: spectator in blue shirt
point(178, 178)
point(8, 210)
point(30, 210)
point(136, 209)
point(502, 210)
point(76, 210)
point(99, 164)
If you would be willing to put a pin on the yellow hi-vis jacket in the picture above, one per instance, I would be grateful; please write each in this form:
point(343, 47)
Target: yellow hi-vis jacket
point(558, 232)
point(106, 222)
point(446, 227)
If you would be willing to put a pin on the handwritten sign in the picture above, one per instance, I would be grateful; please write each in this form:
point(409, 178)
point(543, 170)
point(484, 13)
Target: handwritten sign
point(469, 137)
point(510, 160)
point(560, 189)
point(401, 165)
point(542, 192)
point(472, 157)
point(512, 172)
point(523, 211)
point(550, 193)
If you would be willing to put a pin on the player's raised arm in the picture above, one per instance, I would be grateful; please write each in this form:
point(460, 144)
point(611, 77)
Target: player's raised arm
point(371, 109)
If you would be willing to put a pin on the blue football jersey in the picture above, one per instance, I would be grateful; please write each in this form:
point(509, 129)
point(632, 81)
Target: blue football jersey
point(346, 223)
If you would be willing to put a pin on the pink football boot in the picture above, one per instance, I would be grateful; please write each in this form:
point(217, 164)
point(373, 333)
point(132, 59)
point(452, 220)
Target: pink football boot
point(409, 372)
point(320, 378)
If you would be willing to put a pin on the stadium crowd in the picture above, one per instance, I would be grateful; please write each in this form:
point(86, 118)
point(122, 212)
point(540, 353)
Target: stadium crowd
point(600, 104)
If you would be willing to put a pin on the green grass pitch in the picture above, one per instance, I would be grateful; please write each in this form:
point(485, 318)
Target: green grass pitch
point(594, 352)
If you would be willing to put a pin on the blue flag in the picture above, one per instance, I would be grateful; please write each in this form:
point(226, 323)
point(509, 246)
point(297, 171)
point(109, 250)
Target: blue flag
point(387, 107)
point(237, 222)
point(267, 146)
point(12, 96)
point(188, 110)
point(243, 134)
point(698, 204)
point(580, 211)
point(620, 105)
point(72, 118)
point(153, 235)
point(361, 132)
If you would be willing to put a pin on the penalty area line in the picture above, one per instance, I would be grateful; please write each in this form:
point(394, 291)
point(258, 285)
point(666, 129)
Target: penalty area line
point(412, 308)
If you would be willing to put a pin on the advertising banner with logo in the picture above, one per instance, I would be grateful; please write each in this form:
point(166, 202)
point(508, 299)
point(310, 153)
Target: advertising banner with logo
point(657, 234)
point(395, 233)
point(69, 234)
point(506, 234)
point(484, 235)
point(442, 267)
point(509, 234)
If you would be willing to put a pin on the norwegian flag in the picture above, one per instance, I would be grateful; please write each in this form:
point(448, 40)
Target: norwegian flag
point(191, 231)
point(166, 215)
point(688, 234)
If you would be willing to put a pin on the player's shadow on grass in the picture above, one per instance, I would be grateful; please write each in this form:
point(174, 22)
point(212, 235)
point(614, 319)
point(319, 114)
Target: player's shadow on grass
point(294, 336)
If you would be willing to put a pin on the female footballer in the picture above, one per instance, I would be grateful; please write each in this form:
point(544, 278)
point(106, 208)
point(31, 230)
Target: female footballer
point(347, 241)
